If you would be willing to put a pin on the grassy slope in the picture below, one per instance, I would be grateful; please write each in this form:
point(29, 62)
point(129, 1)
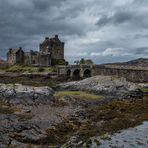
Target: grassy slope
point(30, 69)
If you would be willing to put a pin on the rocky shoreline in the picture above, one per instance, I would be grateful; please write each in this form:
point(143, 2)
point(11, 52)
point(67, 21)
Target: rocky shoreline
point(132, 137)
point(26, 95)
point(110, 86)
point(41, 117)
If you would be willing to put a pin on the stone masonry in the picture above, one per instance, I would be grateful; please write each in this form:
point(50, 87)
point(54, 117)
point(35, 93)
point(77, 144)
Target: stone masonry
point(51, 52)
point(133, 74)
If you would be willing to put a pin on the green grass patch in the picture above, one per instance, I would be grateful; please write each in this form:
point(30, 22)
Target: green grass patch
point(144, 89)
point(4, 66)
point(78, 95)
point(20, 68)
point(115, 77)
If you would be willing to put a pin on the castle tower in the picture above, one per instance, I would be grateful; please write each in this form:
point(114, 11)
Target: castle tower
point(54, 47)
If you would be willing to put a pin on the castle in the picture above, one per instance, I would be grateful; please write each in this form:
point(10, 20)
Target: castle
point(51, 52)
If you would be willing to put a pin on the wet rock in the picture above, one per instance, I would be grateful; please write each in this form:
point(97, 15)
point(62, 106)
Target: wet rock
point(26, 95)
point(30, 135)
point(12, 131)
point(132, 137)
point(134, 94)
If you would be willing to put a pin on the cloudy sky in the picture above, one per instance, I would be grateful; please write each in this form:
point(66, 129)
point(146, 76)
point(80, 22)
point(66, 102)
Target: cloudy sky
point(102, 30)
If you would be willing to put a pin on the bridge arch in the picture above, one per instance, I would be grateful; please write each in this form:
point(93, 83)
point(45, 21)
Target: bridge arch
point(87, 73)
point(76, 73)
point(68, 73)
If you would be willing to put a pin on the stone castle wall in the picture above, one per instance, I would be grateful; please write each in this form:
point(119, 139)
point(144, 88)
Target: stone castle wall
point(51, 52)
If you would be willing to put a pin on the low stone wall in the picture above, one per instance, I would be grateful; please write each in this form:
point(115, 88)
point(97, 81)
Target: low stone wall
point(132, 75)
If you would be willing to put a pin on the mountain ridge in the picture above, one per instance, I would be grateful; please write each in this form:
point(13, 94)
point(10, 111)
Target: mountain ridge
point(143, 62)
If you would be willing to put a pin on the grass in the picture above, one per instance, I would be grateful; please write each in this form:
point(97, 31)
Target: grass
point(24, 117)
point(37, 80)
point(6, 109)
point(115, 77)
point(30, 69)
point(116, 115)
point(60, 132)
point(3, 65)
point(77, 95)
point(57, 102)
point(100, 120)
point(144, 89)
point(18, 68)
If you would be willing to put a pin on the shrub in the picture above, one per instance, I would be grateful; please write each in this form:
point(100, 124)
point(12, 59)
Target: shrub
point(58, 62)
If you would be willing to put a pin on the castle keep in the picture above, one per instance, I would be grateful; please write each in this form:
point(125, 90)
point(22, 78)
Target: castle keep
point(51, 52)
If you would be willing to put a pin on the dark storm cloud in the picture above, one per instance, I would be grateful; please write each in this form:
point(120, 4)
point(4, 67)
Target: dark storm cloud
point(44, 4)
point(141, 50)
point(130, 17)
point(86, 26)
point(117, 18)
point(34, 17)
point(21, 20)
point(141, 36)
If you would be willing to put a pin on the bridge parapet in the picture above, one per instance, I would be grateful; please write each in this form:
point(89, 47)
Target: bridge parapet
point(130, 73)
point(79, 66)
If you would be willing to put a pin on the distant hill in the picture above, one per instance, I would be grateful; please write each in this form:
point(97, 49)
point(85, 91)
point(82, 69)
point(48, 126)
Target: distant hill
point(141, 62)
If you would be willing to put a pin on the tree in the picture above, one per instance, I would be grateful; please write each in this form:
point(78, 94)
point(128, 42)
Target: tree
point(77, 62)
point(89, 62)
point(82, 61)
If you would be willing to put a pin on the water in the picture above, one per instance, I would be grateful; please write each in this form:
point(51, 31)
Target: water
point(130, 138)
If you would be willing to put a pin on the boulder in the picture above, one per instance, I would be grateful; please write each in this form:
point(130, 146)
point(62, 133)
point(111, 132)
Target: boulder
point(27, 95)
point(105, 85)
point(145, 85)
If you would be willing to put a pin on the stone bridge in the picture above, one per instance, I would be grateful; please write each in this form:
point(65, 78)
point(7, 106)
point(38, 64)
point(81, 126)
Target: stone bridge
point(77, 71)
point(134, 74)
